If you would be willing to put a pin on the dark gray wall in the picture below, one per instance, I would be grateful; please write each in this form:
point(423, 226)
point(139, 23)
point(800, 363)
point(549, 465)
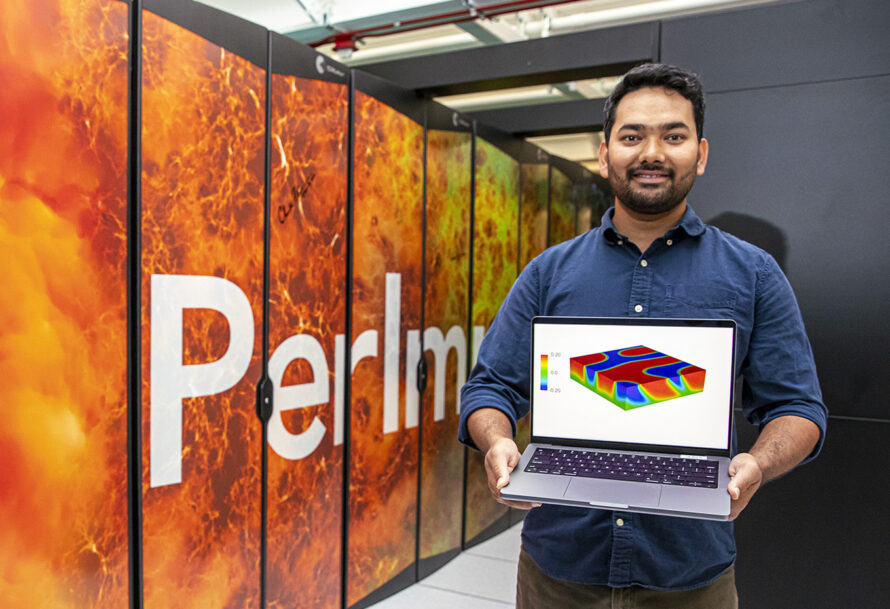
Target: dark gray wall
point(797, 118)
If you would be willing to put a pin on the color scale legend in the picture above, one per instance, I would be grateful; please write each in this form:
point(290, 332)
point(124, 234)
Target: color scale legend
point(544, 373)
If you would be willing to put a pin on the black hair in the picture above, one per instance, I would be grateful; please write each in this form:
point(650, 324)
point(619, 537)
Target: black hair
point(663, 75)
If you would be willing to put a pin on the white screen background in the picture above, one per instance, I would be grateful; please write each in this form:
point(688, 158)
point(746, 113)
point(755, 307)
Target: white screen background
point(575, 412)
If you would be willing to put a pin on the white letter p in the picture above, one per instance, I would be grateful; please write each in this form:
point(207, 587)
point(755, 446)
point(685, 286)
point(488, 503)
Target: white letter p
point(171, 381)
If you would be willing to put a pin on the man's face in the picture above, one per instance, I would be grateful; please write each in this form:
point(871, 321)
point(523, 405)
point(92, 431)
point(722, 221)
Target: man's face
point(653, 155)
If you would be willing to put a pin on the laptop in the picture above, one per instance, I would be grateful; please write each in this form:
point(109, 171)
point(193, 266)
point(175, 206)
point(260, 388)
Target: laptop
point(630, 414)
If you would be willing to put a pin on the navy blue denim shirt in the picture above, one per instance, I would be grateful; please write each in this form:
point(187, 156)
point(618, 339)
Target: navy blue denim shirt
point(693, 271)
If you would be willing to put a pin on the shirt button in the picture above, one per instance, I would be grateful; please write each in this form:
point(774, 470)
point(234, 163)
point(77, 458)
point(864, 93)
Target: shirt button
point(638, 308)
point(643, 263)
point(670, 241)
point(620, 522)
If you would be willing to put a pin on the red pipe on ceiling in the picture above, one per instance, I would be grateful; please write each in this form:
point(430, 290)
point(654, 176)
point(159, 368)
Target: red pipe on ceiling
point(347, 39)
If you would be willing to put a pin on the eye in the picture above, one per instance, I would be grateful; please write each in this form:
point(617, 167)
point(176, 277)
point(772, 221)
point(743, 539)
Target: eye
point(676, 137)
point(630, 138)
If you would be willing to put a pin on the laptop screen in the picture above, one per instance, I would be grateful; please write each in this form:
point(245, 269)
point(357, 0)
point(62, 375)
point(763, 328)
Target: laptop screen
point(633, 381)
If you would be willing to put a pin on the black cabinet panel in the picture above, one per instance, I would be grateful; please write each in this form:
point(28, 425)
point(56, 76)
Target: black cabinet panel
point(781, 44)
point(817, 538)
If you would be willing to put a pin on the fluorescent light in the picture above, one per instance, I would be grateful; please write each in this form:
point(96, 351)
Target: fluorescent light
point(349, 10)
point(276, 15)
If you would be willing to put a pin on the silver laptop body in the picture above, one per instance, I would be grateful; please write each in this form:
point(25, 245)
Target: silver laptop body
point(630, 414)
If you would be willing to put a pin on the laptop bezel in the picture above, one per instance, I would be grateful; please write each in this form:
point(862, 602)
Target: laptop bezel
point(620, 446)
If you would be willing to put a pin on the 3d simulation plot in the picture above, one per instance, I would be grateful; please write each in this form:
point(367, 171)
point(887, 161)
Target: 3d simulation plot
point(636, 376)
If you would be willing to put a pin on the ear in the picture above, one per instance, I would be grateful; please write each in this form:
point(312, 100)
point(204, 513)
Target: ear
point(604, 160)
point(702, 157)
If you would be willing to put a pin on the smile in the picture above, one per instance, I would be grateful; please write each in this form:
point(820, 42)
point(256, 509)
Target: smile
point(651, 177)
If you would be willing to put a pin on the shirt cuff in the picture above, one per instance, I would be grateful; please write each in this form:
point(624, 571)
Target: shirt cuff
point(819, 416)
point(481, 398)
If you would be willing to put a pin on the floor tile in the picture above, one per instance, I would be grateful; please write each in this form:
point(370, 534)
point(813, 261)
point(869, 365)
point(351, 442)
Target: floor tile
point(491, 578)
point(425, 597)
point(504, 545)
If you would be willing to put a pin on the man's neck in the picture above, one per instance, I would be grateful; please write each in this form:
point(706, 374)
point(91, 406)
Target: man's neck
point(643, 229)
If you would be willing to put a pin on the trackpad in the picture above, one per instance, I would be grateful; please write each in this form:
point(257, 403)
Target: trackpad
point(613, 492)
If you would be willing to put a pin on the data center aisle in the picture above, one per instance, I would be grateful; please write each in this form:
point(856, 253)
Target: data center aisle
point(483, 577)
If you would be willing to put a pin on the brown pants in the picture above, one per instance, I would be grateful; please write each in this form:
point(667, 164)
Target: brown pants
point(537, 590)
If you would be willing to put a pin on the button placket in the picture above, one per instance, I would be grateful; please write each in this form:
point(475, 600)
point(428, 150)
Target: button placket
point(641, 286)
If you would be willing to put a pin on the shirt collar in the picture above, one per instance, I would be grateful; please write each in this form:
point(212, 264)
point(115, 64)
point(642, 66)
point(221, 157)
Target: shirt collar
point(690, 224)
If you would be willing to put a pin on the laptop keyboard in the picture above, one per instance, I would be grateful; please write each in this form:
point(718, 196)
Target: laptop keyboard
point(616, 466)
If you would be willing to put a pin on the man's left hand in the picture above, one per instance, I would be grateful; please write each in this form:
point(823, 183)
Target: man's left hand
point(745, 478)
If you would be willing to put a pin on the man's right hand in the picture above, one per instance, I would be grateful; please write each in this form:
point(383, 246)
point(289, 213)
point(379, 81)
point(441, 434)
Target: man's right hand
point(492, 432)
point(500, 459)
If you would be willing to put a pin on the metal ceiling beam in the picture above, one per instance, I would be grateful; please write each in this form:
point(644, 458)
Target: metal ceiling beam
point(546, 119)
point(558, 59)
point(479, 33)
point(414, 18)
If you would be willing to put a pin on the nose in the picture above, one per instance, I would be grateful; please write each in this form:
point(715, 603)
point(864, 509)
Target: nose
point(652, 150)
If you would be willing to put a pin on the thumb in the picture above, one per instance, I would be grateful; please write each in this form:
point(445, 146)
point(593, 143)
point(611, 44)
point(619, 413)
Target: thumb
point(503, 477)
point(734, 491)
point(733, 487)
point(742, 470)
point(502, 470)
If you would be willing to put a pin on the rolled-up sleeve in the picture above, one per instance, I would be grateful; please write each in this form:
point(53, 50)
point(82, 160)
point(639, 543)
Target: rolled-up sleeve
point(499, 378)
point(779, 369)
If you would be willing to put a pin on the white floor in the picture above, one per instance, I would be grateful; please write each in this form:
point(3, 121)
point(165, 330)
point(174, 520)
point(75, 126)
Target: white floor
point(483, 577)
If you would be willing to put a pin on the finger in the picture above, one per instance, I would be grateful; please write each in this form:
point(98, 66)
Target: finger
point(519, 505)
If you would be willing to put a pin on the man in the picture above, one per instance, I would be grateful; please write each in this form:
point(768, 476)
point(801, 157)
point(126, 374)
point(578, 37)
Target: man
point(652, 257)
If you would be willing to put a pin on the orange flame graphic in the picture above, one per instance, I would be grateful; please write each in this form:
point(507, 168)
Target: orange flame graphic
point(533, 234)
point(63, 479)
point(448, 266)
point(533, 241)
point(202, 193)
point(495, 245)
point(562, 208)
point(387, 235)
point(308, 285)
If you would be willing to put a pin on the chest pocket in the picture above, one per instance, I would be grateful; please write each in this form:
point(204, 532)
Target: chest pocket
point(705, 301)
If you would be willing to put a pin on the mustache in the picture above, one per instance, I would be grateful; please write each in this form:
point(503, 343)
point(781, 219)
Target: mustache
point(647, 167)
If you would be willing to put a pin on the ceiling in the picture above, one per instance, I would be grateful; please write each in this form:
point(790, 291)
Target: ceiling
point(369, 32)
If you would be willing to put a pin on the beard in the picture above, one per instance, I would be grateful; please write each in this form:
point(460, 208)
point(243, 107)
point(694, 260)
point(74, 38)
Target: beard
point(651, 200)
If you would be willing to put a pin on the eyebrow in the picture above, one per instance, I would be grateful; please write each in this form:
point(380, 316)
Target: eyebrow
point(663, 127)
